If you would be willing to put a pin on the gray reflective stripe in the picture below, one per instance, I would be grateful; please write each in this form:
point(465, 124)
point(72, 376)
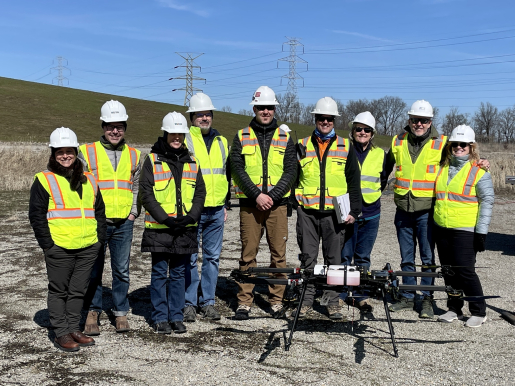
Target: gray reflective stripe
point(162, 176)
point(189, 175)
point(402, 184)
point(368, 190)
point(278, 143)
point(56, 193)
point(218, 171)
point(189, 143)
point(193, 166)
point(470, 180)
point(93, 182)
point(370, 179)
point(431, 168)
point(460, 198)
point(249, 142)
point(399, 139)
point(440, 195)
point(125, 185)
point(423, 185)
point(437, 143)
point(311, 153)
point(468, 229)
point(89, 213)
point(63, 213)
point(149, 218)
point(237, 189)
point(307, 201)
point(134, 158)
point(92, 159)
point(224, 155)
point(205, 171)
point(106, 184)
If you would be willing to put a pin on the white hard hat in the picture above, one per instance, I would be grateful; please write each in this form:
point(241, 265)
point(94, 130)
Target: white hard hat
point(175, 123)
point(113, 111)
point(463, 133)
point(365, 118)
point(285, 128)
point(327, 106)
point(264, 96)
point(200, 102)
point(63, 137)
point(421, 108)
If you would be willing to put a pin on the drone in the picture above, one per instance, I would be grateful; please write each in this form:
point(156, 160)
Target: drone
point(345, 278)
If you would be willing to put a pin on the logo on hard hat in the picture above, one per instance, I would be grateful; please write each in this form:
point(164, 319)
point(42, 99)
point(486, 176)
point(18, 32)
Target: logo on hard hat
point(258, 94)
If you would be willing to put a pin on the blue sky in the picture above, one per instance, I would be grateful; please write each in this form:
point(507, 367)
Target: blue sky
point(449, 52)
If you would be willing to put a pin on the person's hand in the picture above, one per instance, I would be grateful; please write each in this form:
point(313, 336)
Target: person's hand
point(484, 164)
point(131, 217)
point(171, 223)
point(349, 220)
point(264, 202)
point(184, 221)
point(225, 214)
point(479, 242)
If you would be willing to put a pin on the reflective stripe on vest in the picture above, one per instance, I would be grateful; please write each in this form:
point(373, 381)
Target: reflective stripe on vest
point(371, 175)
point(418, 177)
point(165, 190)
point(457, 205)
point(254, 162)
point(213, 165)
point(116, 185)
point(308, 193)
point(71, 219)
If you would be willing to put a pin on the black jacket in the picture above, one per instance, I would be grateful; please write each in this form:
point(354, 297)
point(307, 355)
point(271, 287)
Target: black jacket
point(182, 241)
point(264, 135)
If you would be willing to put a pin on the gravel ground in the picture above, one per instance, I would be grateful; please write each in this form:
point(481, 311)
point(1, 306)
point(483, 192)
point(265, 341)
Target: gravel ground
point(252, 352)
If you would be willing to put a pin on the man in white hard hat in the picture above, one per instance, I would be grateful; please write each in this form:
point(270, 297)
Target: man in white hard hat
point(116, 166)
point(211, 151)
point(264, 169)
point(327, 168)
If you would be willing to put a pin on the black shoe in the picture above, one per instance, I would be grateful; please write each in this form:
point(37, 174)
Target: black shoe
point(162, 328)
point(427, 308)
point(242, 313)
point(178, 327)
point(190, 314)
point(210, 312)
point(403, 304)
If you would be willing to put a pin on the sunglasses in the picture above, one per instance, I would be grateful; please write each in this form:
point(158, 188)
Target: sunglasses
point(463, 145)
point(424, 121)
point(111, 128)
point(201, 115)
point(365, 129)
point(261, 107)
point(328, 119)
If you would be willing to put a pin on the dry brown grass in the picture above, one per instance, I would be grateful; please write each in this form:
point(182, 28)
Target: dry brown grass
point(502, 164)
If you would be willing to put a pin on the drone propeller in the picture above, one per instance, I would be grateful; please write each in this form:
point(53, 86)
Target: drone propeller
point(434, 266)
point(471, 299)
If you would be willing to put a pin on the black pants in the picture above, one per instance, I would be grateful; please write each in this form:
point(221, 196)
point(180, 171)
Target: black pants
point(456, 247)
point(68, 273)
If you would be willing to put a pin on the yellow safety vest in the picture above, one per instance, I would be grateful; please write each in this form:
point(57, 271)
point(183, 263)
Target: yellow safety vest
point(116, 186)
point(308, 193)
point(71, 219)
point(165, 193)
point(254, 161)
point(212, 164)
point(419, 178)
point(456, 204)
point(371, 175)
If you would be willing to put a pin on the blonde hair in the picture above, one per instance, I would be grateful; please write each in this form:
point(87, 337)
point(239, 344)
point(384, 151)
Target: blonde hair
point(447, 153)
point(353, 130)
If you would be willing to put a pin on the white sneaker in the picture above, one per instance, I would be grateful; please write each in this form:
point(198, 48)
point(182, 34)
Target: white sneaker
point(449, 317)
point(475, 321)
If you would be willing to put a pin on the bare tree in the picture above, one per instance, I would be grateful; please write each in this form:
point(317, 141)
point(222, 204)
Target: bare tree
point(452, 119)
point(506, 125)
point(306, 118)
point(289, 108)
point(353, 108)
point(249, 113)
point(485, 120)
point(390, 114)
point(226, 109)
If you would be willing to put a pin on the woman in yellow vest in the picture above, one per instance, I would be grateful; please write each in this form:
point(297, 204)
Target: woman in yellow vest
point(172, 191)
point(67, 214)
point(463, 209)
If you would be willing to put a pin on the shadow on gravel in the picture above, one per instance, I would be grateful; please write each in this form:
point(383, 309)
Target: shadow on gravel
point(501, 242)
point(139, 301)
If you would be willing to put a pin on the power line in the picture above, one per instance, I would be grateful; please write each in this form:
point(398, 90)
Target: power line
point(292, 60)
point(60, 70)
point(190, 65)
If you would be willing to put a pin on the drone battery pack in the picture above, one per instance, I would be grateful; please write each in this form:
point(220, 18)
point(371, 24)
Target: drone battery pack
point(336, 275)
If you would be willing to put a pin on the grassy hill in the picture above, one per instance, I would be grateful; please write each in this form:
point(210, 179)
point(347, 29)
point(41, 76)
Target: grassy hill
point(30, 111)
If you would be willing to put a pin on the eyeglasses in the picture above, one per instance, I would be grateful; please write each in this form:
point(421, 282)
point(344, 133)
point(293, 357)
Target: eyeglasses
point(201, 115)
point(328, 119)
point(117, 127)
point(424, 121)
point(365, 129)
point(261, 107)
point(463, 145)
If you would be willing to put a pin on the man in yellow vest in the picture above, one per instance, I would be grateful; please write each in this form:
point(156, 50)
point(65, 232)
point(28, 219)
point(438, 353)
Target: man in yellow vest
point(264, 169)
point(328, 168)
point(211, 151)
point(116, 167)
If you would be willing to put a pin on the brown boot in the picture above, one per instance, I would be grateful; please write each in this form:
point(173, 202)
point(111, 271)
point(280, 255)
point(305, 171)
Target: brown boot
point(82, 339)
point(66, 343)
point(91, 327)
point(122, 325)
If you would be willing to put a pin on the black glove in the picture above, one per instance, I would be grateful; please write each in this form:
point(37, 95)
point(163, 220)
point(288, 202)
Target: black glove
point(184, 221)
point(170, 222)
point(479, 242)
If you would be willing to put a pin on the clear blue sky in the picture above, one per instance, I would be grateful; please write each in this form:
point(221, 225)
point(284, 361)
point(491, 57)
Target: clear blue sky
point(449, 52)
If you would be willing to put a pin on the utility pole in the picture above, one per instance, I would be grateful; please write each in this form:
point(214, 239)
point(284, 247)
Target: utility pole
point(190, 65)
point(292, 60)
point(60, 69)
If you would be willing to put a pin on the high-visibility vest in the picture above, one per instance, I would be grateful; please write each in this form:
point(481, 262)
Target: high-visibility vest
point(371, 175)
point(212, 164)
point(71, 219)
point(456, 204)
point(308, 193)
point(165, 192)
point(116, 186)
point(418, 177)
point(254, 161)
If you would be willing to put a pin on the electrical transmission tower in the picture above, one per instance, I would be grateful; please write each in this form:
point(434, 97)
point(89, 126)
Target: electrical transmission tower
point(292, 60)
point(190, 65)
point(60, 69)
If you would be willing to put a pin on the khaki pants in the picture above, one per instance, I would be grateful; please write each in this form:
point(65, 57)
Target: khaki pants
point(253, 223)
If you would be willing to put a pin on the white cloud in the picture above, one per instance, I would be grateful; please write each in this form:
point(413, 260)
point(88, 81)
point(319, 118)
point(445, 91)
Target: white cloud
point(370, 37)
point(174, 4)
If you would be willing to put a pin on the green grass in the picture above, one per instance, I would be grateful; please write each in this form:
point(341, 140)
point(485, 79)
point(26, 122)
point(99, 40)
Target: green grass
point(31, 111)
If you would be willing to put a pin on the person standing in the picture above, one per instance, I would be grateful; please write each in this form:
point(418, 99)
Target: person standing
point(67, 214)
point(328, 168)
point(463, 210)
point(116, 167)
point(211, 152)
point(263, 167)
point(173, 193)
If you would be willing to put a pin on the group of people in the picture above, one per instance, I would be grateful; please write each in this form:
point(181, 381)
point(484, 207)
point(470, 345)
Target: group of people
point(90, 195)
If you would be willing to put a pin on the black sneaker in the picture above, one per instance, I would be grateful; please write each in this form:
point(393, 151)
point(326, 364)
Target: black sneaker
point(402, 305)
point(209, 312)
point(427, 308)
point(178, 327)
point(242, 312)
point(190, 314)
point(162, 328)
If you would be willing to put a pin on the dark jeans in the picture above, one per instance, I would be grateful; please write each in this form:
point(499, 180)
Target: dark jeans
point(68, 273)
point(456, 247)
point(167, 293)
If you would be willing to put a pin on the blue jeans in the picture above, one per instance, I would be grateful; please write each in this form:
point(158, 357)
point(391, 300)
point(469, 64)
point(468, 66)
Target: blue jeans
point(211, 227)
point(413, 227)
point(119, 239)
point(167, 294)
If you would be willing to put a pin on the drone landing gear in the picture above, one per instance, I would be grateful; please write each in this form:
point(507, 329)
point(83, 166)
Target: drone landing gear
point(390, 324)
point(287, 342)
